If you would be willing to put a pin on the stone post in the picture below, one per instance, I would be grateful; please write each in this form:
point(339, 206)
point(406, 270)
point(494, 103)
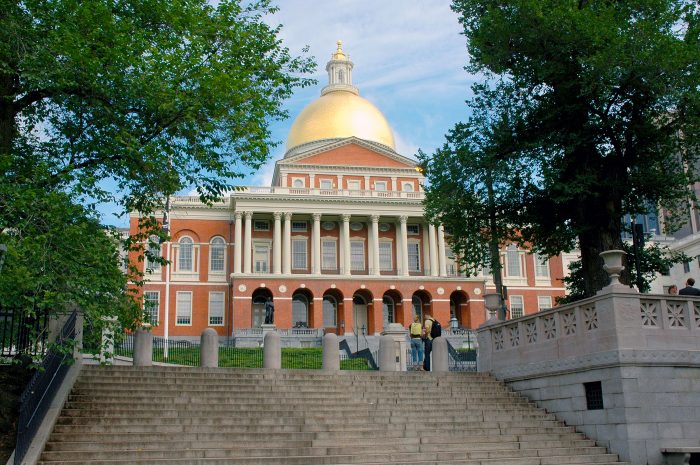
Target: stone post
point(107, 343)
point(440, 356)
point(399, 335)
point(388, 361)
point(143, 348)
point(331, 356)
point(272, 351)
point(209, 349)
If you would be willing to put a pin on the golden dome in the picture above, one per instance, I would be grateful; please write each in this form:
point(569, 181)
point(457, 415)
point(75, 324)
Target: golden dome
point(340, 114)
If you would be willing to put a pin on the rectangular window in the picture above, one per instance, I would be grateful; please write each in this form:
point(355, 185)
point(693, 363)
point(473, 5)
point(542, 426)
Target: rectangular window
point(413, 256)
point(299, 254)
point(380, 185)
point(354, 185)
point(686, 267)
point(541, 266)
point(594, 395)
point(513, 262)
point(299, 226)
point(152, 264)
point(151, 307)
point(357, 256)
point(516, 306)
point(544, 302)
point(326, 184)
point(183, 308)
point(329, 257)
point(217, 254)
point(261, 225)
point(216, 308)
point(413, 229)
point(261, 253)
point(385, 258)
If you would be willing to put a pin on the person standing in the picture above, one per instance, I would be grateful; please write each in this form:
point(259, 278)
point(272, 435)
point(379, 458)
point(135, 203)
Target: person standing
point(416, 332)
point(689, 289)
point(673, 289)
point(269, 311)
point(427, 341)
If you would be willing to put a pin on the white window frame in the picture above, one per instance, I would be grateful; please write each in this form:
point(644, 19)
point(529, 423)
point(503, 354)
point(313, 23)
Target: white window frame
point(296, 254)
point(156, 268)
point(222, 311)
point(417, 255)
point(411, 187)
point(354, 185)
point(212, 246)
point(183, 312)
point(326, 187)
point(193, 256)
point(383, 264)
point(546, 298)
point(261, 225)
point(516, 300)
point(325, 259)
point(268, 246)
point(354, 265)
point(155, 315)
point(413, 229)
point(541, 267)
point(302, 180)
point(297, 226)
point(381, 186)
point(513, 251)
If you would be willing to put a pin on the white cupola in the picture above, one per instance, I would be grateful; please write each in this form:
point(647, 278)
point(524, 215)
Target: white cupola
point(339, 73)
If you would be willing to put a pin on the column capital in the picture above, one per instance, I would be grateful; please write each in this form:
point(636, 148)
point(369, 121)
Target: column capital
point(248, 215)
point(277, 215)
point(403, 219)
point(346, 218)
point(316, 216)
point(287, 215)
point(374, 218)
point(238, 215)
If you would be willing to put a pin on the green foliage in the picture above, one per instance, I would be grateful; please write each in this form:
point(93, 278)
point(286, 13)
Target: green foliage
point(607, 111)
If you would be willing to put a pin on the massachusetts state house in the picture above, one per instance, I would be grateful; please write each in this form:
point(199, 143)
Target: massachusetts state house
point(338, 241)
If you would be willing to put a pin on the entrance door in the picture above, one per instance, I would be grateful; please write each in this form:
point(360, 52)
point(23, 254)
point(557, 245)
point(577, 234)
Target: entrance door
point(359, 306)
point(258, 311)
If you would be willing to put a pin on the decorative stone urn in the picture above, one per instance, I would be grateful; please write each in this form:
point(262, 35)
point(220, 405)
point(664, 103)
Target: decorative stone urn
point(492, 301)
point(613, 264)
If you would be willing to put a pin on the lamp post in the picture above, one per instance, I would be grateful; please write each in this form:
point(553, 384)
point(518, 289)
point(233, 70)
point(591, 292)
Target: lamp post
point(454, 324)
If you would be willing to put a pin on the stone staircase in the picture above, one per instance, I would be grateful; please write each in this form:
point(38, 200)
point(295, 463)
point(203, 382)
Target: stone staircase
point(173, 415)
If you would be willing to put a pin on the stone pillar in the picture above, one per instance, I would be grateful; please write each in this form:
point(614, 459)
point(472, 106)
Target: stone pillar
point(394, 186)
point(433, 250)
point(248, 244)
point(272, 351)
point(287, 249)
point(439, 364)
point(238, 238)
point(367, 186)
point(331, 354)
point(107, 344)
point(441, 251)
point(387, 354)
point(403, 253)
point(345, 245)
point(374, 245)
point(209, 349)
point(316, 244)
point(143, 348)
point(399, 336)
point(277, 244)
point(284, 179)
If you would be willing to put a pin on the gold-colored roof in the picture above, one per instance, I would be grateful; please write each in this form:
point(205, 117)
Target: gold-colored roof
point(340, 114)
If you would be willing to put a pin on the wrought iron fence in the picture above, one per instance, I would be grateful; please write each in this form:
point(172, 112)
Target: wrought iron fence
point(42, 388)
point(22, 333)
point(462, 359)
point(365, 354)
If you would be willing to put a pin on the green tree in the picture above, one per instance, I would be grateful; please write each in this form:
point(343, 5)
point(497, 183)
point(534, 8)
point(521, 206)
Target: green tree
point(609, 111)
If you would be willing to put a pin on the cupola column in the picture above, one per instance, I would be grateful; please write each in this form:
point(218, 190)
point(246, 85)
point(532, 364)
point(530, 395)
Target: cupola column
point(247, 252)
point(403, 255)
point(277, 244)
point(316, 245)
point(287, 250)
point(374, 245)
point(238, 231)
point(345, 246)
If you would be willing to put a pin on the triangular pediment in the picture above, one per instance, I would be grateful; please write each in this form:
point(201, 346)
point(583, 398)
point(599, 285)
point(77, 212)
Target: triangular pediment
point(351, 151)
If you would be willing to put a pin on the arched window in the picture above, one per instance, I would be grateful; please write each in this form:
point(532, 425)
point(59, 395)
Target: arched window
point(185, 258)
point(341, 77)
point(217, 254)
point(258, 311)
point(330, 311)
point(388, 310)
point(417, 305)
point(300, 310)
point(298, 183)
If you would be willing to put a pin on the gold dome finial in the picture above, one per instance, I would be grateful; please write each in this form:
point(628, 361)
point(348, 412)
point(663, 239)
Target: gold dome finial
point(339, 55)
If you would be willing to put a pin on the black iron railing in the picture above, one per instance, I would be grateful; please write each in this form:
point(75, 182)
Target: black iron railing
point(364, 354)
point(21, 333)
point(43, 386)
point(461, 360)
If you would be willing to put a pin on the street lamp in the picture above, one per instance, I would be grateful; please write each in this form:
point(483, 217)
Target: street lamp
point(454, 324)
point(3, 252)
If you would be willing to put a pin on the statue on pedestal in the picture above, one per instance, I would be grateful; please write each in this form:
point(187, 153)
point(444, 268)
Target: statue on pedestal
point(269, 311)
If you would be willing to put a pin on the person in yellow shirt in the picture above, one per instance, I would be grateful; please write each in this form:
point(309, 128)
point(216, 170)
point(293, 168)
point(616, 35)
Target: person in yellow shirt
point(416, 332)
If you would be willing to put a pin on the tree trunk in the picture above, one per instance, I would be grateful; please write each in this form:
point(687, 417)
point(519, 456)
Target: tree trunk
point(8, 125)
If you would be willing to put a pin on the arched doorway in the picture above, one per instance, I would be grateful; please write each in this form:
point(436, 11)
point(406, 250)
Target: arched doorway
point(392, 308)
point(421, 303)
point(459, 308)
point(302, 301)
point(260, 296)
point(333, 320)
point(362, 314)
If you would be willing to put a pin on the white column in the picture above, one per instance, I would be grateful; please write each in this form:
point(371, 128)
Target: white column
point(374, 244)
point(287, 254)
point(340, 181)
point(433, 251)
point(311, 181)
point(367, 186)
point(403, 254)
point(441, 250)
point(284, 180)
point(277, 244)
point(394, 187)
point(345, 246)
point(316, 244)
point(425, 253)
point(247, 252)
point(237, 259)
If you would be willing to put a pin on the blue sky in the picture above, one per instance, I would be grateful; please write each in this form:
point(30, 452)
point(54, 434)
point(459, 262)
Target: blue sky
point(409, 59)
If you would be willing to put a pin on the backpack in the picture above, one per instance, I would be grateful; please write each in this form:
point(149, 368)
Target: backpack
point(435, 329)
